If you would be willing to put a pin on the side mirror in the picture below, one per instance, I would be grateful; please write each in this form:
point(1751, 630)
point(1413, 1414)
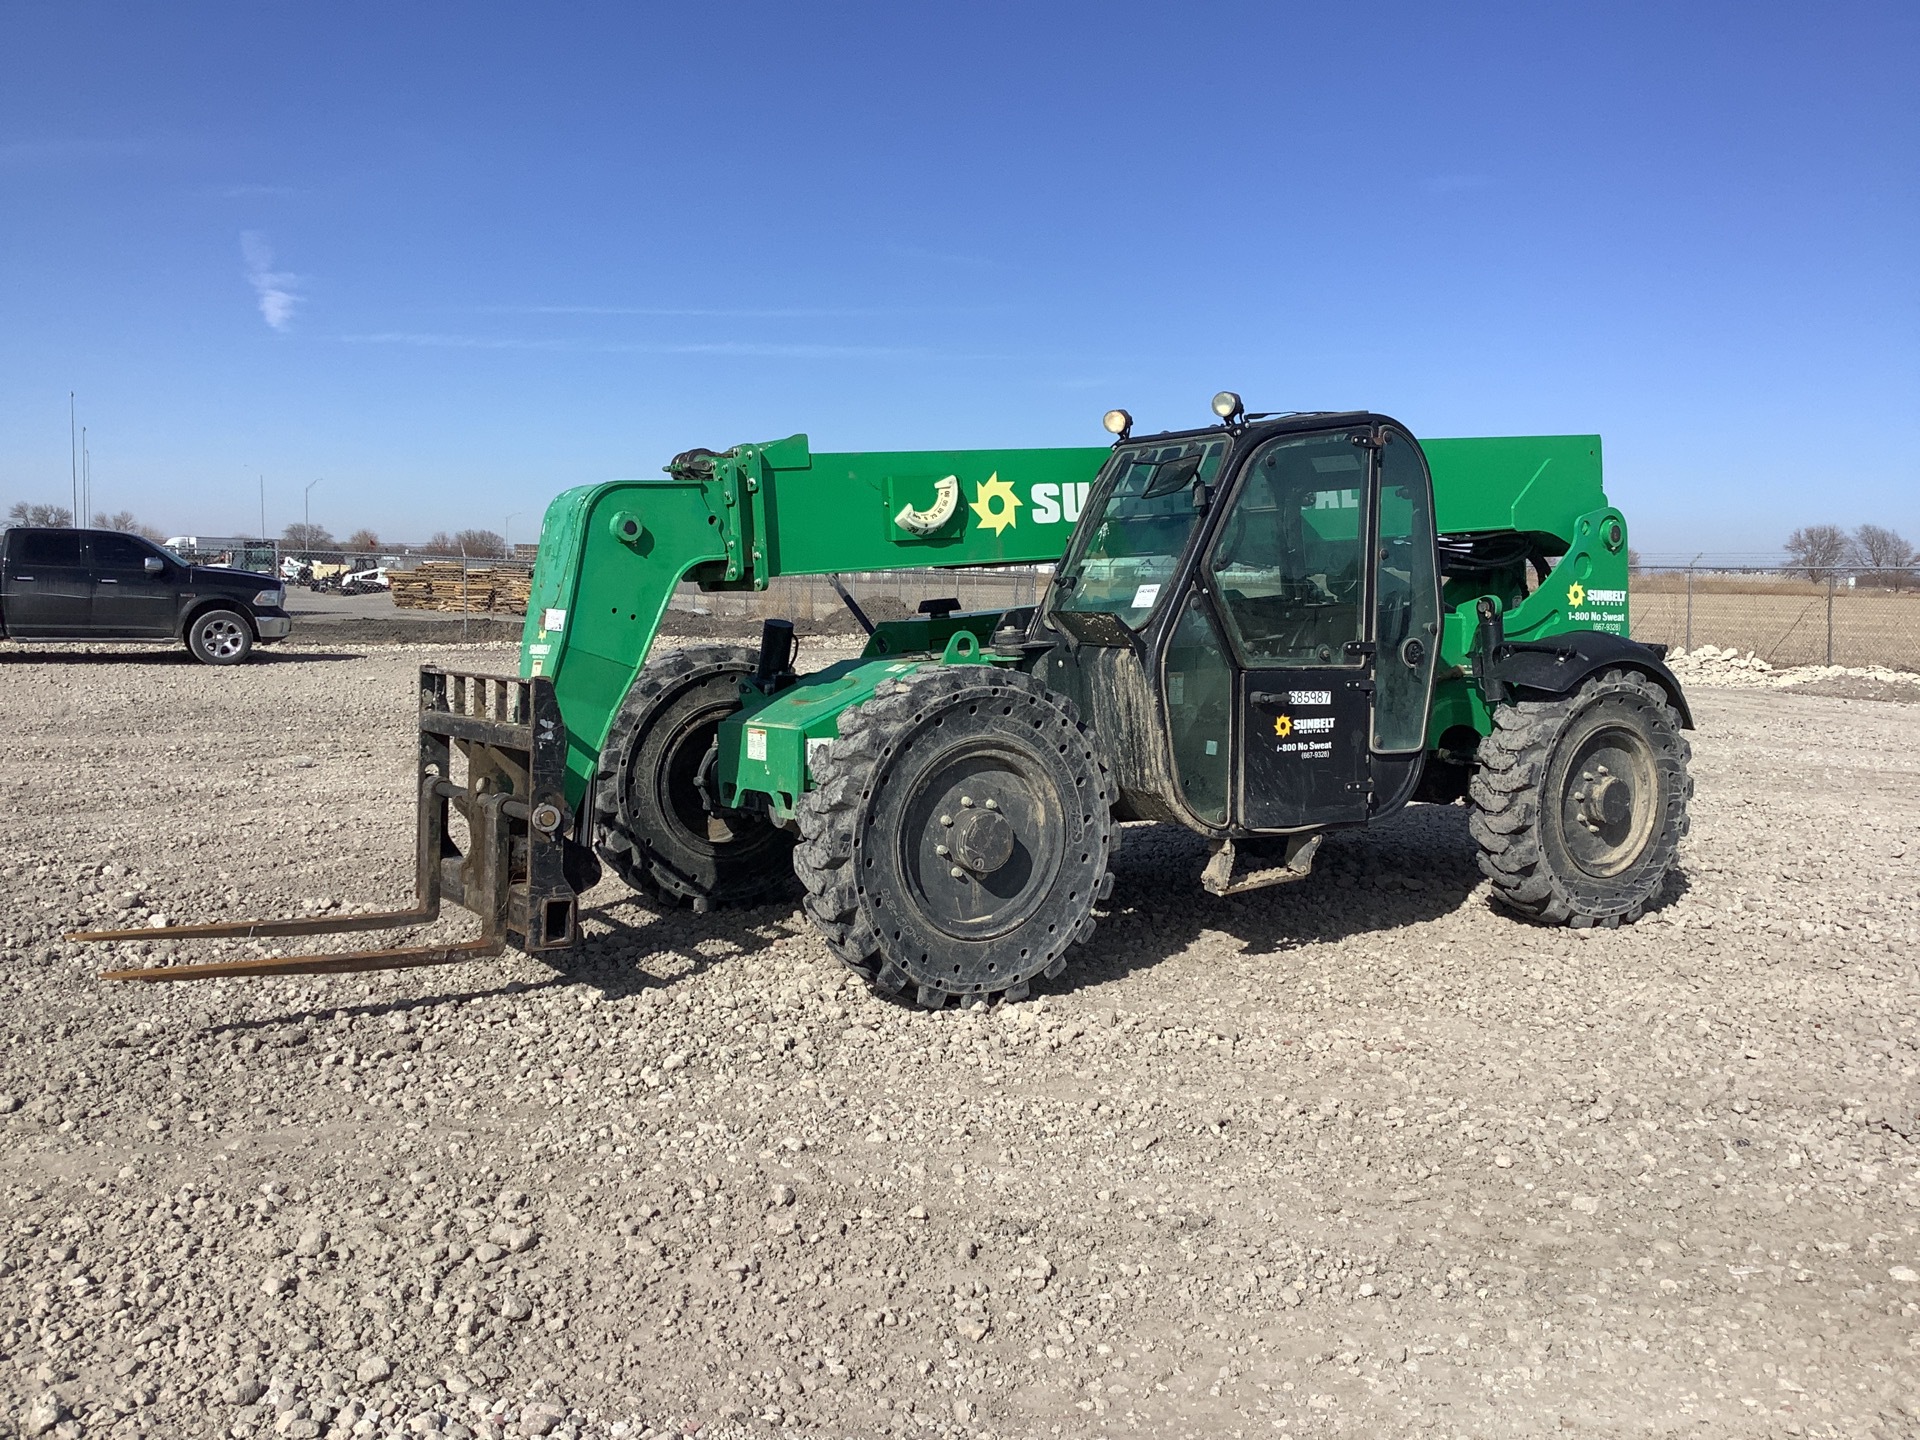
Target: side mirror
point(154, 565)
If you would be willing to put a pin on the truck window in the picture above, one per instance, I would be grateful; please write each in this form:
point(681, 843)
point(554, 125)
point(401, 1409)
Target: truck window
point(45, 547)
point(120, 552)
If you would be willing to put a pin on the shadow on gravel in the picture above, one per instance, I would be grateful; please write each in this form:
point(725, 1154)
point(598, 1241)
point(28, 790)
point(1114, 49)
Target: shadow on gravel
point(163, 656)
point(608, 963)
point(1416, 866)
point(311, 1013)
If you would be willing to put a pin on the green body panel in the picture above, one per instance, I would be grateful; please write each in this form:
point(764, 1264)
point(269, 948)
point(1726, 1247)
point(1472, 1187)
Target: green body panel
point(611, 555)
point(1535, 484)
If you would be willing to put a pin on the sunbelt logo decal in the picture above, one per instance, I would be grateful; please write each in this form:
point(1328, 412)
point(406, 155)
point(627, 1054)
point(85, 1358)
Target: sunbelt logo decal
point(1579, 596)
point(996, 505)
point(1602, 609)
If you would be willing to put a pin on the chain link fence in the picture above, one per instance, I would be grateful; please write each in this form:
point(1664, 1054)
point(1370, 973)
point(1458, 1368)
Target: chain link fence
point(882, 594)
point(1863, 617)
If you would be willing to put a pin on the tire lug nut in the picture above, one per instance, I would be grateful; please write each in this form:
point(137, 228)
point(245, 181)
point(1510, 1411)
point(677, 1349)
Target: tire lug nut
point(993, 804)
point(966, 802)
point(957, 873)
point(941, 850)
point(946, 819)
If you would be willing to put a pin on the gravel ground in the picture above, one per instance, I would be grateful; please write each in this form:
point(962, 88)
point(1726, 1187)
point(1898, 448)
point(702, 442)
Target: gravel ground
point(1352, 1157)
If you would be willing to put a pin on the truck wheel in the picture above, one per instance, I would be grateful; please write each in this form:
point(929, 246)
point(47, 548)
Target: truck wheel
point(958, 835)
point(653, 822)
point(220, 637)
point(1579, 804)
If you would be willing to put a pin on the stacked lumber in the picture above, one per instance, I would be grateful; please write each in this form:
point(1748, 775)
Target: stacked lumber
point(444, 586)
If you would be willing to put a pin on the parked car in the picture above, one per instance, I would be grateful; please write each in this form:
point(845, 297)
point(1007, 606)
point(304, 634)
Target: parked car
point(107, 585)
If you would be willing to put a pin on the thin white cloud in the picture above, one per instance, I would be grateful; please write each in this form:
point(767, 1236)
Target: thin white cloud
point(274, 288)
point(706, 313)
point(745, 348)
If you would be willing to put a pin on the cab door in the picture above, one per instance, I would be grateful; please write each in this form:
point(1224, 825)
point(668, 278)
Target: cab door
point(129, 598)
point(1287, 570)
point(49, 587)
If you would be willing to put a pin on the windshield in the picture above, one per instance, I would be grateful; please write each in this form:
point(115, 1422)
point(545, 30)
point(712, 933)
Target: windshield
point(1136, 524)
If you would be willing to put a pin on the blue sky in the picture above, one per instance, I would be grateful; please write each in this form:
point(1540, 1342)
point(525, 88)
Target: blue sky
point(451, 259)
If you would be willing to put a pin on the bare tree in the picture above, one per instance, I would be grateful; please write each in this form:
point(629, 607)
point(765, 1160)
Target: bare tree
point(1882, 551)
point(440, 543)
point(483, 543)
point(24, 514)
point(126, 520)
point(364, 539)
point(302, 536)
point(1634, 567)
point(1818, 550)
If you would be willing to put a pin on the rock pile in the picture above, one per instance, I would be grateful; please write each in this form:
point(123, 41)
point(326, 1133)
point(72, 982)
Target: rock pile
point(1725, 665)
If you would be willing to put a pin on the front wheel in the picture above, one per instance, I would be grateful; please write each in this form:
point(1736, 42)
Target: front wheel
point(220, 637)
point(958, 835)
point(1580, 803)
point(656, 821)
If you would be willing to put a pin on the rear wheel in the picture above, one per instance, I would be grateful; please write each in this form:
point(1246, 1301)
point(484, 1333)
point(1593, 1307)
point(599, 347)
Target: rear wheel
point(1580, 803)
point(220, 637)
point(958, 835)
point(654, 818)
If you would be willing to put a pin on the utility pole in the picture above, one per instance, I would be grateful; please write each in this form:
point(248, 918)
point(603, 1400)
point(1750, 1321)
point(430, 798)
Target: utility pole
point(73, 446)
point(306, 501)
point(507, 537)
point(263, 507)
point(86, 479)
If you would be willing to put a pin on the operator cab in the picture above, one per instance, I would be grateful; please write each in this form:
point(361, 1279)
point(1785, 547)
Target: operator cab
point(1248, 616)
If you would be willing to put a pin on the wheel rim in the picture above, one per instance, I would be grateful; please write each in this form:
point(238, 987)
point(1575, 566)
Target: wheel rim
point(1609, 800)
point(222, 638)
point(991, 814)
point(678, 783)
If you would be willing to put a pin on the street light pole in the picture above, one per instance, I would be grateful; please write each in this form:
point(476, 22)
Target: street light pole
point(306, 510)
point(73, 445)
point(507, 538)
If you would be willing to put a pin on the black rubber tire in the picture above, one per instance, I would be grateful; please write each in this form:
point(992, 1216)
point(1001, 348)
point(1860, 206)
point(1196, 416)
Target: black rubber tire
point(220, 636)
point(647, 823)
point(1528, 804)
point(875, 885)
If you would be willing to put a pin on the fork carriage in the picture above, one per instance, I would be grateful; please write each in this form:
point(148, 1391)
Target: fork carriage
point(491, 761)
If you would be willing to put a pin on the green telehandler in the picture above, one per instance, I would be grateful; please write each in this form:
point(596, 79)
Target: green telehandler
point(1265, 629)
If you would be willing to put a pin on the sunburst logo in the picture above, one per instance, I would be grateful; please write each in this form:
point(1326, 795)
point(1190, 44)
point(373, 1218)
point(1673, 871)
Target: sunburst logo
point(1576, 594)
point(1283, 726)
point(995, 503)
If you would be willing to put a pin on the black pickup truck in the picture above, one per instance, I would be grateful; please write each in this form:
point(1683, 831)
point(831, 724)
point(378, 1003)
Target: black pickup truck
point(106, 585)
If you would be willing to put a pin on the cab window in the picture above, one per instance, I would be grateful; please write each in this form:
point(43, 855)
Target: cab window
point(45, 547)
point(120, 552)
point(1288, 560)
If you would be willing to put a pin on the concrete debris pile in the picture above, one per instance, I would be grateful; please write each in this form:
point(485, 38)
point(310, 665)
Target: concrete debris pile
point(1726, 666)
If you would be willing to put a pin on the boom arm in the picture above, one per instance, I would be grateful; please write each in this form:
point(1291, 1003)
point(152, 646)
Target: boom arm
point(611, 555)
